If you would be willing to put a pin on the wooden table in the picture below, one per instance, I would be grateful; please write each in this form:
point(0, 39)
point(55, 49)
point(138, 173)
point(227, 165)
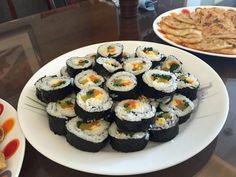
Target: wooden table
point(35, 40)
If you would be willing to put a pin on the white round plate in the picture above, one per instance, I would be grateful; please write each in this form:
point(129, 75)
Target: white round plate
point(14, 140)
point(161, 35)
point(204, 125)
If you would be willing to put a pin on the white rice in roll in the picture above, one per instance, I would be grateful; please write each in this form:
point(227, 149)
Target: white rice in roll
point(53, 83)
point(62, 108)
point(94, 99)
point(187, 80)
point(134, 110)
point(163, 81)
point(121, 81)
point(79, 62)
point(95, 132)
point(149, 53)
point(137, 65)
point(110, 50)
point(88, 78)
point(109, 64)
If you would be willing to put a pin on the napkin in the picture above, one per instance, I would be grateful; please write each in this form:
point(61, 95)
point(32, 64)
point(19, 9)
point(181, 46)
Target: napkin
point(143, 4)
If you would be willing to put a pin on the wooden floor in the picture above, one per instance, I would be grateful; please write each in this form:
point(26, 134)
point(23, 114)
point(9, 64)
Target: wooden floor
point(217, 167)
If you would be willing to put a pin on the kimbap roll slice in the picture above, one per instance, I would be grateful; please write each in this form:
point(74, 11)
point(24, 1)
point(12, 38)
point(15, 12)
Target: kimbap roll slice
point(134, 115)
point(111, 50)
point(107, 66)
point(93, 103)
point(87, 136)
point(188, 85)
point(86, 79)
point(181, 106)
point(150, 53)
point(77, 64)
point(158, 84)
point(53, 88)
point(59, 112)
point(137, 66)
point(164, 127)
point(127, 141)
point(172, 64)
point(122, 85)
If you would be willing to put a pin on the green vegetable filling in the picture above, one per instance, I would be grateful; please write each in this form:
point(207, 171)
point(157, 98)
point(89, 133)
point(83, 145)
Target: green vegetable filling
point(87, 125)
point(66, 104)
point(147, 49)
point(161, 77)
point(58, 83)
point(173, 67)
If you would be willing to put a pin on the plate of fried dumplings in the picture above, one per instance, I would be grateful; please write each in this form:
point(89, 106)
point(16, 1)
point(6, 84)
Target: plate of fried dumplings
point(209, 30)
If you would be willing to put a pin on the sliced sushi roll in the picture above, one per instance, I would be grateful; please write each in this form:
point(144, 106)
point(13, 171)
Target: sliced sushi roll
point(53, 88)
point(188, 85)
point(181, 105)
point(171, 64)
point(111, 50)
point(137, 66)
point(134, 115)
point(122, 85)
point(107, 66)
point(92, 103)
point(63, 71)
point(90, 136)
point(77, 64)
point(150, 53)
point(164, 127)
point(158, 84)
point(127, 141)
point(59, 112)
point(86, 79)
